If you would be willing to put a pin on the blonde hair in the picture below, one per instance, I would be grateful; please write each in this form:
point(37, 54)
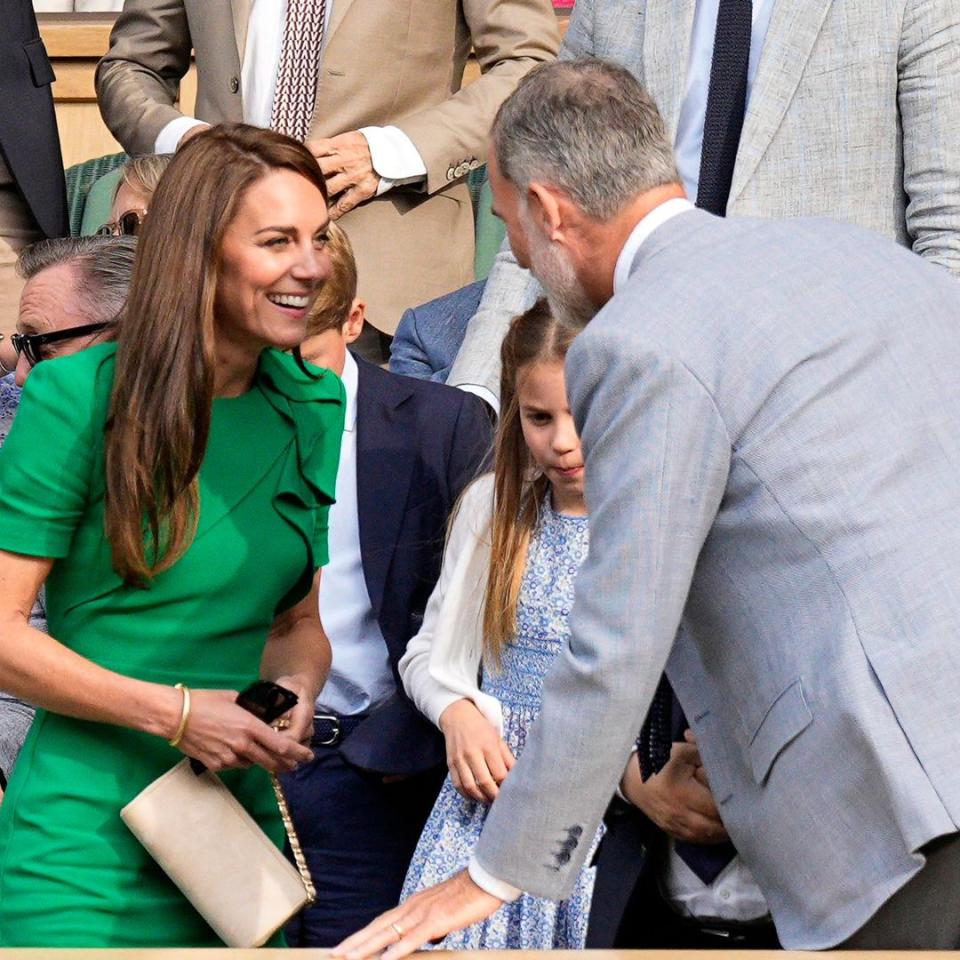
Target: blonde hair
point(142, 174)
point(332, 306)
point(519, 487)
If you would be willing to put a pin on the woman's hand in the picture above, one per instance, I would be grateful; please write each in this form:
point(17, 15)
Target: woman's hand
point(221, 735)
point(299, 727)
point(477, 757)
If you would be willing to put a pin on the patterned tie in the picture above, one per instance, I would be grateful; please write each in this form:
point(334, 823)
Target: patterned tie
point(726, 104)
point(299, 69)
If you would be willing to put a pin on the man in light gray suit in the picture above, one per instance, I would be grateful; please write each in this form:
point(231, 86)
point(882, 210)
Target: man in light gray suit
point(852, 112)
point(773, 478)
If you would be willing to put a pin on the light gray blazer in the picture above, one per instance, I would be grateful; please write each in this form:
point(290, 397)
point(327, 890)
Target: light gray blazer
point(771, 422)
point(854, 114)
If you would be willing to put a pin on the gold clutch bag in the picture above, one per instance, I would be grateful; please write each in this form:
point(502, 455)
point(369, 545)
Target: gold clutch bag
point(218, 856)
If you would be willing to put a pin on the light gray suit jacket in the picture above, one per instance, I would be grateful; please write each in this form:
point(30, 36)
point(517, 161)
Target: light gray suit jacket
point(771, 423)
point(854, 114)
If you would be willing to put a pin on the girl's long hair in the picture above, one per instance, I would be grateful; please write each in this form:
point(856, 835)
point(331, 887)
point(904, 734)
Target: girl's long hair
point(519, 486)
point(160, 410)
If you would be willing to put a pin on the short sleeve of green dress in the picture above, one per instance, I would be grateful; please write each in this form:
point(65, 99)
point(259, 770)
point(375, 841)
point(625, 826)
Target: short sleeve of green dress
point(71, 874)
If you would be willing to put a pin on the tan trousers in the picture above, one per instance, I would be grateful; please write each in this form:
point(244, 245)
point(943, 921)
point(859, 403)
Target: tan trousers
point(17, 229)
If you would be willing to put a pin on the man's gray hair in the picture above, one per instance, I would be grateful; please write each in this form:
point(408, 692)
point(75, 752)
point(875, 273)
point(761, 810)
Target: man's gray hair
point(104, 267)
point(588, 128)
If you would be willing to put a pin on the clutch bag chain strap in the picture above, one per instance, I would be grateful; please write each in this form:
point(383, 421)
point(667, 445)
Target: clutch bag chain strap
point(299, 858)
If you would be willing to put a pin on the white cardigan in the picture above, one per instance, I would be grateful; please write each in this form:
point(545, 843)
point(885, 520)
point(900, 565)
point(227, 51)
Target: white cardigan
point(442, 662)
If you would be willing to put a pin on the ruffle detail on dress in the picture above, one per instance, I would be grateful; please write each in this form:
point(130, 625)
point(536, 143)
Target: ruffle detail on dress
point(315, 408)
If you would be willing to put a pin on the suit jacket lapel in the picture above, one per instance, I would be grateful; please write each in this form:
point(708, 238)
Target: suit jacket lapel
point(384, 472)
point(241, 17)
point(666, 52)
point(794, 28)
point(337, 15)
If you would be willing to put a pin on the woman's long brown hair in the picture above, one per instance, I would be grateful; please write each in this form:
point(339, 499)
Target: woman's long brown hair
point(519, 487)
point(163, 391)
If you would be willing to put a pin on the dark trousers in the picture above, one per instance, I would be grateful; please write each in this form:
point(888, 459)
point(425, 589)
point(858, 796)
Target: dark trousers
point(923, 914)
point(358, 835)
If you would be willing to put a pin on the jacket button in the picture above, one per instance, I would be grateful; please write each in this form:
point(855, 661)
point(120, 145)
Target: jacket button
point(234, 84)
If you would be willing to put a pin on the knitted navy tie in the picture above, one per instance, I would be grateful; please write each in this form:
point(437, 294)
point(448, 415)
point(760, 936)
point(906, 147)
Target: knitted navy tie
point(726, 104)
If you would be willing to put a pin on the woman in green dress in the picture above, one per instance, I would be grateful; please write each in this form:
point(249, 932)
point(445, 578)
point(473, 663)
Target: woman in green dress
point(172, 492)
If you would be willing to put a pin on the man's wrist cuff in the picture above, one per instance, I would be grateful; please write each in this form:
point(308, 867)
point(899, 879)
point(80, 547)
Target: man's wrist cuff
point(490, 884)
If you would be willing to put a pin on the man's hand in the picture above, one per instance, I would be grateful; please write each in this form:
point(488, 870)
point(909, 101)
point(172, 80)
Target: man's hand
point(477, 756)
point(677, 799)
point(346, 163)
point(427, 916)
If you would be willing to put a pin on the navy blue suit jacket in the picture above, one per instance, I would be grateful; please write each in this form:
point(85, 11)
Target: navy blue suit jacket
point(429, 337)
point(418, 445)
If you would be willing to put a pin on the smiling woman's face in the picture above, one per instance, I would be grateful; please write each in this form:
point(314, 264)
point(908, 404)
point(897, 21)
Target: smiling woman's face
point(273, 262)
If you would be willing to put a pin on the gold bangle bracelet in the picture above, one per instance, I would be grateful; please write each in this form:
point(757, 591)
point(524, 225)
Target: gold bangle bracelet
point(184, 715)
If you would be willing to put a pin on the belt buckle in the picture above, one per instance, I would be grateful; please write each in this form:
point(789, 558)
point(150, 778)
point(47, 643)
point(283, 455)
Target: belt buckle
point(335, 725)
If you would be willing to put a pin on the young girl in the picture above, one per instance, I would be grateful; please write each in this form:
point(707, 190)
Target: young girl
point(502, 603)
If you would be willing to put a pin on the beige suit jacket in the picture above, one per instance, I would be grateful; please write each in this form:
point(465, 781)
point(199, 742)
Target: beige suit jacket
point(395, 63)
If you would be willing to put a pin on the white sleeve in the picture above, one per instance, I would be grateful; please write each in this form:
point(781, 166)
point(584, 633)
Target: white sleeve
point(168, 139)
point(442, 661)
point(394, 157)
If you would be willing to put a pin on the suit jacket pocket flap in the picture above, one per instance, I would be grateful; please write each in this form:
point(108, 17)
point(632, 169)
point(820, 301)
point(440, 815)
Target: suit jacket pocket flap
point(787, 717)
point(40, 68)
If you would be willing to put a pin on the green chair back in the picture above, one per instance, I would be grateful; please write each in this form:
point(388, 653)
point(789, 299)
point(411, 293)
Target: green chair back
point(80, 179)
point(489, 230)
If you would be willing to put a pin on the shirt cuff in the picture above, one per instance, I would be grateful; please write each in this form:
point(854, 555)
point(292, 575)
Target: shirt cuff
point(394, 157)
point(168, 139)
point(490, 884)
point(618, 791)
point(483, 393)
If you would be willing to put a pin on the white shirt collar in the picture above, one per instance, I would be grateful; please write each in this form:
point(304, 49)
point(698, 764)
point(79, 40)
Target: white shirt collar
point(655, 218)
point(350, 377)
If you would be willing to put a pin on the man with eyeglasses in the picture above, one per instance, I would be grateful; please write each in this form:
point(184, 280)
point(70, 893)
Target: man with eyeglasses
point(75, 288)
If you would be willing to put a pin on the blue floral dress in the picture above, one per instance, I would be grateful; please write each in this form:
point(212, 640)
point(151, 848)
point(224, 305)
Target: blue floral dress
point(557, 548)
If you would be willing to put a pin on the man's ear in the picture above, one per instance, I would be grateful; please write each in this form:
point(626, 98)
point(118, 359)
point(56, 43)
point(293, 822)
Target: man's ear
point(547, 209)
point(353, 325)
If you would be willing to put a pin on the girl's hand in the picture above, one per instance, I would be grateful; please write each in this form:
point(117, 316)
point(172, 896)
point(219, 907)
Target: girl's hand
point(222, 735)
point(477, 757)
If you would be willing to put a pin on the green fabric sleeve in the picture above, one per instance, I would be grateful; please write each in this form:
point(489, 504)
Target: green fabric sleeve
point(46, 461)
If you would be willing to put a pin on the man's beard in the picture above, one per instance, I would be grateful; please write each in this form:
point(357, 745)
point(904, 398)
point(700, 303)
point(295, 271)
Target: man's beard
point(565, 294)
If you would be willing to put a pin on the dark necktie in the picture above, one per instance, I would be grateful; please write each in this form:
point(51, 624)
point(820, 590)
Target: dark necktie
point(726, 104)
point(666, 723)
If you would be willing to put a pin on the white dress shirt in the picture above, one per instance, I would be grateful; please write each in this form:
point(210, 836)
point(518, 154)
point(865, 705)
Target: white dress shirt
point(393, 154)
point(689, 143)
point(361, 677)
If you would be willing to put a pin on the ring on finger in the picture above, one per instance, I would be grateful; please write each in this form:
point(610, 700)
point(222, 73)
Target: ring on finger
point(283, 723)
point(398, 930)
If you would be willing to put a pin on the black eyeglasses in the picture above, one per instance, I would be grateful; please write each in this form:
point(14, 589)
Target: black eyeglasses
point(31, 344)
point(126, 225)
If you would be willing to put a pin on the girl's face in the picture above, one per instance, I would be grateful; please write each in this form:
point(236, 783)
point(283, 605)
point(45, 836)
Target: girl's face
point(273, 263)
point(550, 434)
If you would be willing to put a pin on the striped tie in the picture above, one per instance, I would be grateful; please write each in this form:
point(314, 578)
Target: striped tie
point(296, 93)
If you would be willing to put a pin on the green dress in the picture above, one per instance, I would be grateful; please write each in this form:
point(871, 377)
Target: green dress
point(71, 874)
